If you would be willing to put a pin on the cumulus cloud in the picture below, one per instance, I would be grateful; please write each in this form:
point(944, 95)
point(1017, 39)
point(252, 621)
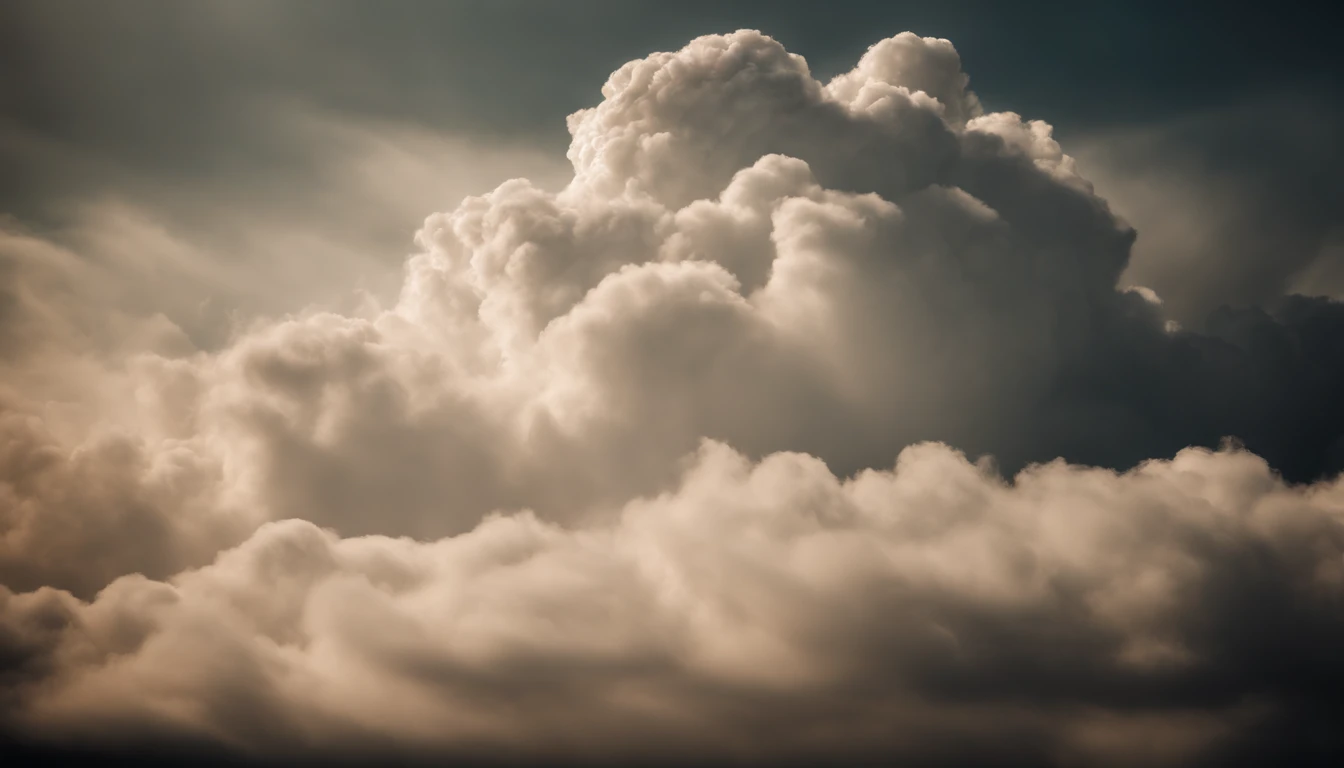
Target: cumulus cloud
point(759, 610)
point(611, 476)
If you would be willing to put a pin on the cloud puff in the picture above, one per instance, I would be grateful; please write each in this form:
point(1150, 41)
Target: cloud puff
point(316, 526)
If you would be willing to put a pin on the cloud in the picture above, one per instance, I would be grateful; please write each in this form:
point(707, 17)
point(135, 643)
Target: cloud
point(612, 472)
point(759, 610)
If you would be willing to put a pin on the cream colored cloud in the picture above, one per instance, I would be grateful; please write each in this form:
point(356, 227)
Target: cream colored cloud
point(764, 606)
point(611, 473)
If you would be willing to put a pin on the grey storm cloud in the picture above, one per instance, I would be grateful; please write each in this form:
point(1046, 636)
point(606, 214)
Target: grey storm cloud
point(672, 463)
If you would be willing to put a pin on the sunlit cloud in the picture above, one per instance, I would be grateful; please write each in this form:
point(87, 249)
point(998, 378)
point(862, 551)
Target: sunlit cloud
point(791, 420)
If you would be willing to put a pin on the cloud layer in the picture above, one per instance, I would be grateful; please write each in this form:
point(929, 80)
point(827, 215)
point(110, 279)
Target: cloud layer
point(693, 368)
point(758, 610)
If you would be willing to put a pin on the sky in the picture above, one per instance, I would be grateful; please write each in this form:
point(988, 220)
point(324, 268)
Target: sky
point(591, 383)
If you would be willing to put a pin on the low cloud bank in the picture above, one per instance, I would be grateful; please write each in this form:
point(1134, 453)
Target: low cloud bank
point(758, 611)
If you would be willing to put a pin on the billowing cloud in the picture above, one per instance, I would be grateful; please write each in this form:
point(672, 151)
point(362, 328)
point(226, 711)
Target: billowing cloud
point(611, 477)
point(756, 611)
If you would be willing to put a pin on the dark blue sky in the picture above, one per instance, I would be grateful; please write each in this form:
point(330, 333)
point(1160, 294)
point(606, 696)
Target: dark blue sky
point(141, 69)
point(156, 102)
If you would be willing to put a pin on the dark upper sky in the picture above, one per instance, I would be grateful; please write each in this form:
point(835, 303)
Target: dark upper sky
point(167, 85)
point(186, 111)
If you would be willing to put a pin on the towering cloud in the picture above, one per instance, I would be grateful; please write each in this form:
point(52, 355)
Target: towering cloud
point(613, 478)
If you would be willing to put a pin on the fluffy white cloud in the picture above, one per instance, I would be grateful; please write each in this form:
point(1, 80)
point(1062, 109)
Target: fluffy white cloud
point(817, 276)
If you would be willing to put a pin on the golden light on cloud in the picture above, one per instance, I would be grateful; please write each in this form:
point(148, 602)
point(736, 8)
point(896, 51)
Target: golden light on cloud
point(671, 463)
